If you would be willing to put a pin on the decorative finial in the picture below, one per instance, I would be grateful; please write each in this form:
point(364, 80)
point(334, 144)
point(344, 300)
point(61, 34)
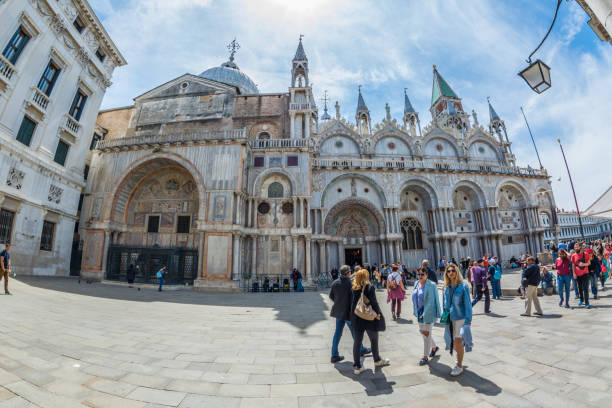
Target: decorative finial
point(434, 67)
point(359, 88)
point(325, 99)
point(488, 97)
point(233, 47)
point(301, 36)
point(388, 109)
point(405, 89)
point(337, 106)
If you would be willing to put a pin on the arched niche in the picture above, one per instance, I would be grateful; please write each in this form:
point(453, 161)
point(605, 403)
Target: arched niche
point(352, 185)
point(484, 151)
point(440, 147)
point(339, 144)
point(392, 145)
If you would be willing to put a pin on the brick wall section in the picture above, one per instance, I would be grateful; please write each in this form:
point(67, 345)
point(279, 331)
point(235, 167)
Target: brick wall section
point(255, 109)
point(115, 121)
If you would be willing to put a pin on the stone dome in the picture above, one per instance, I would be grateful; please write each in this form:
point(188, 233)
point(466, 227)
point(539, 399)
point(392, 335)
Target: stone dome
point(229, 73)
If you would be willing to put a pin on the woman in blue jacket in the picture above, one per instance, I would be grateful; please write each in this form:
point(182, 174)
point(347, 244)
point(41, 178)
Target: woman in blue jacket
point(458, 304)
point(426, 308)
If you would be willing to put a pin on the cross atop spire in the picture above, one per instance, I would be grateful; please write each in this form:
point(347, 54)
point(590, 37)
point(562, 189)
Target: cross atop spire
point(325, 115)
point(233, 47)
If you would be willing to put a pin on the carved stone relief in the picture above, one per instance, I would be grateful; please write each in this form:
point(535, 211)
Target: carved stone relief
point(55, 194)
point(15, 178)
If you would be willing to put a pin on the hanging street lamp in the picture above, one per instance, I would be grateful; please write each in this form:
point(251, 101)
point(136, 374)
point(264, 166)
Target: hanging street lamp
point(537, 74)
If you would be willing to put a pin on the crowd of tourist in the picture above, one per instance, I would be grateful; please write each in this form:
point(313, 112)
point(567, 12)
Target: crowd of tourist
point(582, 266)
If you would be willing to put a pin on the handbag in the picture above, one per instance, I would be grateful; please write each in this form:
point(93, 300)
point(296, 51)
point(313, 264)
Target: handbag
point(363, 309)
point(445, 318)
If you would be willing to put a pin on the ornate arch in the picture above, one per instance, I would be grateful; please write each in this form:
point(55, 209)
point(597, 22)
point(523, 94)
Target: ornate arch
point(379, 190)
point(256, 186)
point(479, 193)
point(137, 171)
point(358, 204)
point(444, 136)
point(479, 138)
point(511, 182)
point(337, 132)
point(423, 186)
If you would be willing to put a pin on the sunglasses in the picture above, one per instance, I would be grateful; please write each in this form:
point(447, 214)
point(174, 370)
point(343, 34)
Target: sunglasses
point(420, 274)
point(451, 271)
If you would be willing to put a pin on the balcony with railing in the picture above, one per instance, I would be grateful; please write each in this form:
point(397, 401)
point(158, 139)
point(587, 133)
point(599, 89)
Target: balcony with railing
point(172, 138)
point(426, 164)
point(39, 100)
point(279, 143)
point(71, 125)
point(302, 106)
point(7, 71)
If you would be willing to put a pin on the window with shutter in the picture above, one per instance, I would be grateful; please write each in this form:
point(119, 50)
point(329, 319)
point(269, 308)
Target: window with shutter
point(48, 79)
point(13, 49)
point(78, 104)
point(26, 130)
point(61, 152)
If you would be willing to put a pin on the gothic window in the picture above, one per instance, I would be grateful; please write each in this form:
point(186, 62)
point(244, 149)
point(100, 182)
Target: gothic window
point(275, 190)
point(413, 234)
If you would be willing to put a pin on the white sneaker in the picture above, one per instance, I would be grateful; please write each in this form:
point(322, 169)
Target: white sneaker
point(382, 362)
point(358, 371)
point(456, 371)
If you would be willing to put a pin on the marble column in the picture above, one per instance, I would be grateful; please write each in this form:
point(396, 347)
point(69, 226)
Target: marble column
point(382, 252)
point(294, 241)
point(307, 126)
point(398, 249)
point(254, 256)
point(295, 213)
point(321, 256)
point(236, 255)
point(302, 206)
point(308, 255)
point(341, 254)
point(292, 124)
point(366, 255)
point(308, 215)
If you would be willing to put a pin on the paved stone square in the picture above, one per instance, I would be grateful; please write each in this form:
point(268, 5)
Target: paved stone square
point(65, 344)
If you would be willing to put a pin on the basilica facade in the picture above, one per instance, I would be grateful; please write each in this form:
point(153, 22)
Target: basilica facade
point(221, 182)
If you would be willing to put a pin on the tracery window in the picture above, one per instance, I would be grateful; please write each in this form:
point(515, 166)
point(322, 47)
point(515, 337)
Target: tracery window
point(413, 234)
point(275, 190)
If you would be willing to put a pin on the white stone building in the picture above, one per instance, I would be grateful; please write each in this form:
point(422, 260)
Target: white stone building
point(569, 227)
point(56, 62)
point(220, 182)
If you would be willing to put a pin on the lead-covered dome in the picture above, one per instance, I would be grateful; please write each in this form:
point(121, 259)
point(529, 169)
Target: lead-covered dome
point(229, 73)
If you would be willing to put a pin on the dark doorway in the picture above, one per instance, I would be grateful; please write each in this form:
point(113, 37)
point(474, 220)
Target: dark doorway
point(352, 256)
point(181, 263)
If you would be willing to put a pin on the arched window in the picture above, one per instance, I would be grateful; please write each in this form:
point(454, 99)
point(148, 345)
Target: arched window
point(263, 136)
point(275, 190)
point(413, 234)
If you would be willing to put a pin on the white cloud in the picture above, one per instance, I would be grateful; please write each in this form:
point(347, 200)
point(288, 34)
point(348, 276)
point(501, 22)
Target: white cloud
point(478, 46)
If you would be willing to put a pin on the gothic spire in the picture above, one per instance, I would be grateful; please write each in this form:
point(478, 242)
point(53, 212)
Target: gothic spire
point(325, 115)
point(440, 88)
point(492, 114)
point(407, 105)
point(300, 55)
point(361, 106)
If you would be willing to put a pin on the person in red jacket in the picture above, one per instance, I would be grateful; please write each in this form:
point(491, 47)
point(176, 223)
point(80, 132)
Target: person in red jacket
point(564, 276)
point(581, 262)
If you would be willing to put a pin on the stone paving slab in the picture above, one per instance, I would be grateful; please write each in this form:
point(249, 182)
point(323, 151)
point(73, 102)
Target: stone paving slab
point(66, 344)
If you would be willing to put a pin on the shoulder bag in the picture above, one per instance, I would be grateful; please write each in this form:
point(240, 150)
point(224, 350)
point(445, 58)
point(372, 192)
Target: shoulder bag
point(445, 318)
point(364, 309)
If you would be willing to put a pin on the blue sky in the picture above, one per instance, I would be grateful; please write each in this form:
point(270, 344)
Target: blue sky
point(478, 47)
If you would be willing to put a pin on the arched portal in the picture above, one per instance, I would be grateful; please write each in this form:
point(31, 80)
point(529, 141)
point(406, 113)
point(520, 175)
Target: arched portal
point(154, 213)
point(355, 226)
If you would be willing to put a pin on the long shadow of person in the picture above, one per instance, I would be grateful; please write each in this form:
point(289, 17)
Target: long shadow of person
point(374, 382)
point(467, 379)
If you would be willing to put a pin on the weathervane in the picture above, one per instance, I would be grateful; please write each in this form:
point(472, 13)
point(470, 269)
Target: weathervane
point(233, 47)
point(301, 36)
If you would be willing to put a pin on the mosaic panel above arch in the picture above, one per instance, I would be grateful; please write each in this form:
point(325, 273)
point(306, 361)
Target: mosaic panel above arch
point(354, 217)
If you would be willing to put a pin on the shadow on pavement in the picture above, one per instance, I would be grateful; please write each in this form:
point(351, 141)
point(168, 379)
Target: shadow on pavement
point(468, 379)
point(550, 316)
point(301, 309)
point(495, 315)
point(374, 382)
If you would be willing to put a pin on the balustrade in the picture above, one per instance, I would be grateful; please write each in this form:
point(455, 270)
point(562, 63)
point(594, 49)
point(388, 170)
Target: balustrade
point(7, 70)
point(172, 138)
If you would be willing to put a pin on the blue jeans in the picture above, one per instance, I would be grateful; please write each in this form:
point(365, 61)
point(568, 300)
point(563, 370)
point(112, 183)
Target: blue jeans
point(575, 283)
point(594, 281)
point(161, 283)
point(496, 286)
point(563, 284)
point(338, 335)
point(300, 287)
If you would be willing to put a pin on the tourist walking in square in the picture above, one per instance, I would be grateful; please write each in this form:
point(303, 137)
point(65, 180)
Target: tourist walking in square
point(564, 277)
point(532, 277)
point(161, 275)
point(395, 292)
point(426, 308)
point(594, 271)
point(5, 267)
point(361, 285)
point(431, 274)
point(341, 294)
point(458, 309)
point(480, 279)
point(581, 263)
point(495, 271)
